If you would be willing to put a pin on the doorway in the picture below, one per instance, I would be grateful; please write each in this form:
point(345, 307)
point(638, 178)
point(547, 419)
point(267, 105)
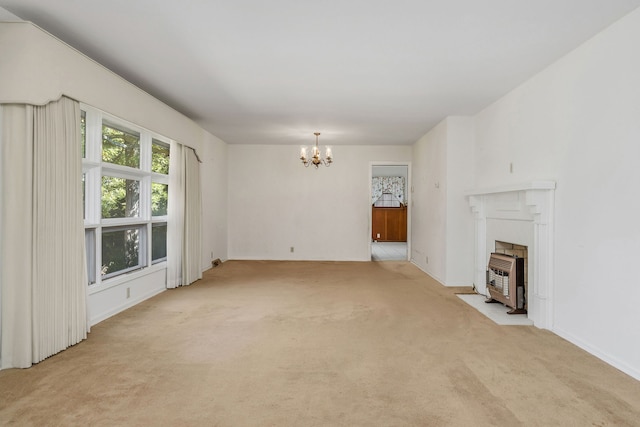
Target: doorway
point(389, 220)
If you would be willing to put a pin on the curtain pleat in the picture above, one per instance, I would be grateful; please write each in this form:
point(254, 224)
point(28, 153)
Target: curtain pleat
point(59, 268)
point(16, 154)
point(53, 267)
point(175, 221)
point(184, 223)
point(191, 256)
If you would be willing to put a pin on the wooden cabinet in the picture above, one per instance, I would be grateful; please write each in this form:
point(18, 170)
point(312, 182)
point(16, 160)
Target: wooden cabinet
point(389, 223)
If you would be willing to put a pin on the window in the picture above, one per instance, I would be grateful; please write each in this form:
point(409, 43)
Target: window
point(120, 147)
point(90, 244)
point(387, 200)
point(159, 157)
point(83, 132)
point(122, 250)
point(126, 192)
point(159, 242)
point(159, 199)
point(120, 197)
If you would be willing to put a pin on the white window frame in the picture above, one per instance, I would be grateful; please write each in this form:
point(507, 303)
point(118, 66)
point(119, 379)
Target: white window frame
point(93, 169)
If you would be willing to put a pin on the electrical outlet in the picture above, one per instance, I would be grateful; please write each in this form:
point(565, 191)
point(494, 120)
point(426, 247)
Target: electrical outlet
point(128, 293)
point(378, 235)
point(291, 249)
point(511, 167)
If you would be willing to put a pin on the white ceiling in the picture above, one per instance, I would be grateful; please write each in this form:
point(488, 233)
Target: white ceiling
point(358, 71)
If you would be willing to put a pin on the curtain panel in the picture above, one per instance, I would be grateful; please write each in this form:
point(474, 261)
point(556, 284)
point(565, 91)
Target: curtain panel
point(184, 224)
point(43, 278)
point(387, 184)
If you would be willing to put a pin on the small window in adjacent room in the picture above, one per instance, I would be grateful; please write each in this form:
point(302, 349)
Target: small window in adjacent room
point(387, 200)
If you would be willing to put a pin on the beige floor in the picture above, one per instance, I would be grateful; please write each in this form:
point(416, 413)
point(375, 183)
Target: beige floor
point(317, 344)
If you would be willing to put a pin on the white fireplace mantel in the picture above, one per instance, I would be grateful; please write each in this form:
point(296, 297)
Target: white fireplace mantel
point(523, 214)
point(533, 185)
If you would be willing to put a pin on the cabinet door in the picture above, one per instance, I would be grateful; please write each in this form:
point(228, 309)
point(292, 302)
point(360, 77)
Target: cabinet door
point(394, 224)
point(378, 224)
point(403, 225)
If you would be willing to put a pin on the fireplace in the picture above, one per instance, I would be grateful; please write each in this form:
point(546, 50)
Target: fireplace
point(522, 214)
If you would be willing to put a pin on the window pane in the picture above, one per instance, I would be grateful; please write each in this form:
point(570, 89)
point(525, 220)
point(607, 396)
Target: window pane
point(84, 197)
point(120, 147)
point(90, 247)
point(158, 242)
point(120, 197)
point(159, 157)
point(83, 132)
point(159, 197)
point(120, 250)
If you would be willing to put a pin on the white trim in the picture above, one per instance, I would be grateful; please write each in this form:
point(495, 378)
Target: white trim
point(533, 185)
point(408, 201)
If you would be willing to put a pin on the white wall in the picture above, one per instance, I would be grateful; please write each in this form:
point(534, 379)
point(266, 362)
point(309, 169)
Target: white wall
point(429, 203)
point(276, 203)
point(460, 226)
point(578, 123)
point(442, 233)
point(390, 170)
point(213, 176)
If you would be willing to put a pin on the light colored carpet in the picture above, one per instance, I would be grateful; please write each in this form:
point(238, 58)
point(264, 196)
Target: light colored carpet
point(317, 344)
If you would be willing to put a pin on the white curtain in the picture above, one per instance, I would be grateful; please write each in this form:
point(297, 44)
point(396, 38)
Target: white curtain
point(387, 184)
point(191, 252)
point(183, 235)
point(43, 277)
point(175, 223)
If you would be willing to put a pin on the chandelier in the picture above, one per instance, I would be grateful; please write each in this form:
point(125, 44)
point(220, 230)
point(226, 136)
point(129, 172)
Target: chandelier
point(316, 160)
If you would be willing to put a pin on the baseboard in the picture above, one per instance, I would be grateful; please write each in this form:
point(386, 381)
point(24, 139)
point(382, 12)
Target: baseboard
point(611, 360)
point(437, 279)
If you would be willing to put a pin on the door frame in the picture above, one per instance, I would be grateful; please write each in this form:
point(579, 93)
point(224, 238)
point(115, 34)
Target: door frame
point(409, 202)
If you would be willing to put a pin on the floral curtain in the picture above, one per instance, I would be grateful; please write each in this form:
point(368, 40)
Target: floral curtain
point(387, 184)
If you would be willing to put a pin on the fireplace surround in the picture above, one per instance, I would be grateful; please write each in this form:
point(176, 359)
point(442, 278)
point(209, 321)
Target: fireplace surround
point(522, 214)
